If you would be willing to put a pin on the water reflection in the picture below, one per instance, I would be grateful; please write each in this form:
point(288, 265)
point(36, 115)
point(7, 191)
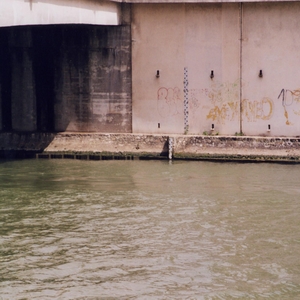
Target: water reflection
point(148, 230)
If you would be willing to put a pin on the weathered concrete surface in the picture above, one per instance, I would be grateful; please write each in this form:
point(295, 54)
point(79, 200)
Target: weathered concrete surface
point(238, 148)
point(93, 92)
point(23, 96)
point(110, 142)
point(1, 126)
point(65, 78)
point(36, 142)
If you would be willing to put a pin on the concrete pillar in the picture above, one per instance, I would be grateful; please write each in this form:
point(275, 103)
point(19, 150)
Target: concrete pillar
point(44, 43)
point(72, 103)
point(93, 80)
point(110, 79)
point(23, 86)
point(64, 101)
point(5, 81)
point(1, 125)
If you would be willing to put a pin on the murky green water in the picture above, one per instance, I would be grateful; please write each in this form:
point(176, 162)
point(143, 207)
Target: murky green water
point(149, 230)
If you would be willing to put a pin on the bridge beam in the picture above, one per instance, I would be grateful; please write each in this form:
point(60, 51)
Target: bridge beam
point(44, 12)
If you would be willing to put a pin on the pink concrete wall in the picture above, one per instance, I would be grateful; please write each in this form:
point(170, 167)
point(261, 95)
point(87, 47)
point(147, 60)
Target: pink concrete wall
point(233, 40)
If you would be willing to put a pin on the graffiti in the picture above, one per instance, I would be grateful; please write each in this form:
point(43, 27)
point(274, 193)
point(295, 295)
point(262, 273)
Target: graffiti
point(234, 109)
point(216, 94)
point(257, 110)
point(225, 109)
point(289, 98)
point(220, 103)
point(224, 97)
point(223, 92)
point(226, 112)
point(195, 96)
point(251, 110)
point(224, 104)
point(217, 114)
point(225, 100)
point(169, 101)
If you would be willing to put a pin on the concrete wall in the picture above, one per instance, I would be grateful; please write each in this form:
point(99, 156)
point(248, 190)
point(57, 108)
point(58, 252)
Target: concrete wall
point(179, 68)
point(96, 146)
point(39, 12)
point(158, 37)
point(1, 104)
point(1, 125)
point(186, 42)
point(271, 43)
point(94, 90)
point(212, 45)
point(65, 78)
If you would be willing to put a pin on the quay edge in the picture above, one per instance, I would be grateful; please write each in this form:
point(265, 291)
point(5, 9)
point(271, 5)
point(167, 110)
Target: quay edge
point(98, 146)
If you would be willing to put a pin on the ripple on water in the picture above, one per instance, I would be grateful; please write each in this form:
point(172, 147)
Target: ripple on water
point(148, 230)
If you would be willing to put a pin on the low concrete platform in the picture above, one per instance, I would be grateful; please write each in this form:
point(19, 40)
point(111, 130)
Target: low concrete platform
point(97, 146)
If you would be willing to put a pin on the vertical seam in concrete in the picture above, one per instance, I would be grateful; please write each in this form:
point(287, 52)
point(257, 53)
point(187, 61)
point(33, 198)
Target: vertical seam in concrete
point(241, 67)
point(131, 72)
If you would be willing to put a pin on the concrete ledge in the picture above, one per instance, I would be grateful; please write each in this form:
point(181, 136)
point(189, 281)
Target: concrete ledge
point(238, 145)
point(145, 146)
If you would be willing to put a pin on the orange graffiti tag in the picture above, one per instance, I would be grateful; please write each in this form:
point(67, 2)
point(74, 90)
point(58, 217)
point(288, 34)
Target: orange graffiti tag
point(257, 110)
point(218, 114)
point(289, 98)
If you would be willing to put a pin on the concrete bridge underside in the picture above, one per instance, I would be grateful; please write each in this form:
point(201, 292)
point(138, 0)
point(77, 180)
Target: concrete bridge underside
point(45, 12)
point(65, 65)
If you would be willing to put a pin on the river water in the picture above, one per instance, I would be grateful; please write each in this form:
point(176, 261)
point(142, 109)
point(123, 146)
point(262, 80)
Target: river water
point(149, 230)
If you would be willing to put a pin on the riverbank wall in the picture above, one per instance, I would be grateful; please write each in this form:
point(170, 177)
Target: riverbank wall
point(99, 146)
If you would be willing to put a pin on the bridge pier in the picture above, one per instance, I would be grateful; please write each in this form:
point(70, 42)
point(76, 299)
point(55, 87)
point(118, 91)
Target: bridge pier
point(23, 96)
point(1, 126)
point(65, 78)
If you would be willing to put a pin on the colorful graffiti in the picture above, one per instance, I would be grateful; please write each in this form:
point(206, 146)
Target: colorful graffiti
point(251, 111)
point(226, 112)
point(226, 105)
point(221, 103)
point(169, 101)
point(288, 99)
point(218, 114)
